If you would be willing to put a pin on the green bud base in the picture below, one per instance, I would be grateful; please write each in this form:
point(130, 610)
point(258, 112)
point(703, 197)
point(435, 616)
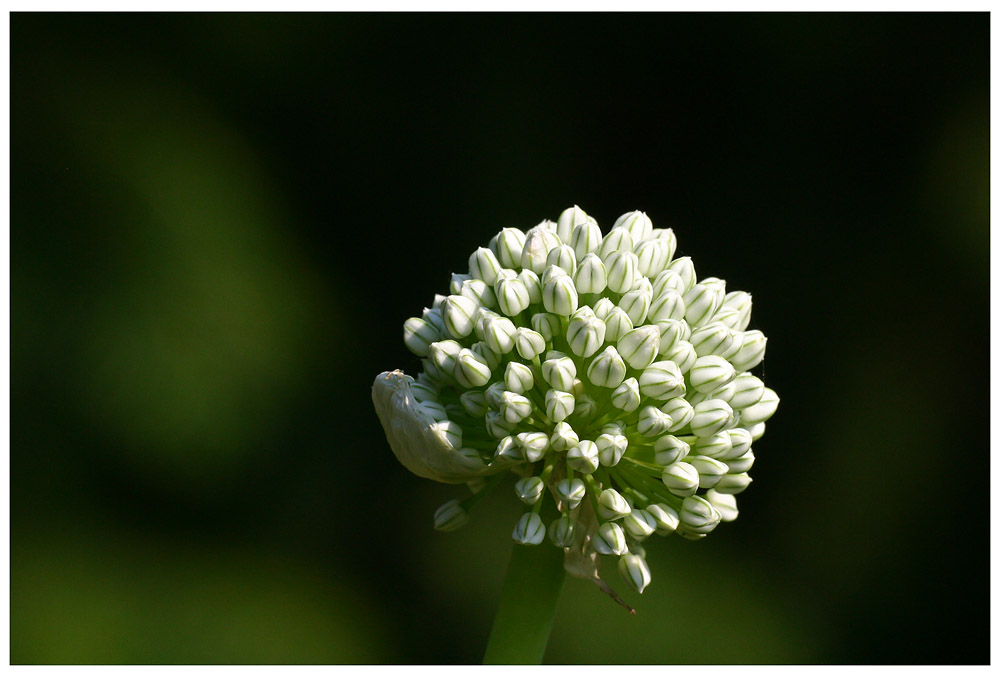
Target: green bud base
point(528, 602)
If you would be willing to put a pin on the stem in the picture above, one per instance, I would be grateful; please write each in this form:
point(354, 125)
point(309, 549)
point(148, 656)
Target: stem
point(528, 602)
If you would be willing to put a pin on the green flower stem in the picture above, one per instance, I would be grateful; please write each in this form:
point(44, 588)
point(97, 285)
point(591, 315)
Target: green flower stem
point(528, 603)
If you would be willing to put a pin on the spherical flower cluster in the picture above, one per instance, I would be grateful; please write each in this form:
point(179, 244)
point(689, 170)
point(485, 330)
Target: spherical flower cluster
point(601, 371)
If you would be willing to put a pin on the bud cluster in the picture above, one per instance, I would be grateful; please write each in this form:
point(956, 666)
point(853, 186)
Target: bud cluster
point(598, 368)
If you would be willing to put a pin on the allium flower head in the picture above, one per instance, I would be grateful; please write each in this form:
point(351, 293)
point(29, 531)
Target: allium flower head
point(602, 372)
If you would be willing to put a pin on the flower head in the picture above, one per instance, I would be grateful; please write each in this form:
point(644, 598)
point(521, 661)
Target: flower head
point(601, 371)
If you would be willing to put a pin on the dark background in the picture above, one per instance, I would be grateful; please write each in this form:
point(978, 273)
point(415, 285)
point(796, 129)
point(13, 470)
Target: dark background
point(220, 222)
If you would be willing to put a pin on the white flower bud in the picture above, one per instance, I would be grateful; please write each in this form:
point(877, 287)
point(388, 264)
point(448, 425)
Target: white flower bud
point(518, 378)
point(724, 504)
point(698, 515)
point(494, 394)
point(474, 402)
point(640, 524)
point(751, 352)
point(448, 434)
point(571, 492)
point(419, 334)
point(591, 276)
point(559, 372)
point(622, 270)
point(508, 246)
point(492, 358)
point(681, 479)
point(570, 219)
point(533, 285)
point(662, 381)
point(443, 354)
point(607, 369)
point(667, 236)
point(762, 410)
point(512, 296)
point(701, 303)
point(635, 303)
point(559, 405)
point(636, 223)
point(710, 471)
point(616, 241)
point(713, 338)
point(668, 305)
point(756, 430)
point(634, 571)
point(514, 407)
point(684, 268)
point(711, 372)
point(546, 325)
point(639, 346)
point(603, 307)
point(496, 425)
point(562, 532)
point(668, 280)
point(716, 284)
point(563, 257)
point(435, 318)
point(626, 395)
point(537, 245)
point(717, 446)
point(672, 331)
point(666, 518)
point(652, 256)
point(742, 303)
point(534, 445)
point(479, 292)
point(498, 334)
point(529, 490)
point(680, 411)
point(434, 410)
point(529, 343)
point(617, 324)
point(653, 422)
point(611, 448)
point(733, 483)
point(457, 281)
point(586, 238)
point(585, 335)
point(559, 295)
point(508, 450)
point(683, 354)
point(747, 390)
point(711, 416)
point(740, 441)
point(471, 370)
point(530, 530)
point(450, 516)
point(583, 457)
point(611, 505)
point(459, 314)
point(610, 540)
point(483, 265)
point(670, 450)
point(741, 464)
point(563, 437)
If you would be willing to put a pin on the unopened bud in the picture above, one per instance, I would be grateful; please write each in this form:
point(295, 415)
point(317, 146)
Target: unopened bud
point(563, 437)
point(610, 540)
point(639, 523)
point(534, 445)
point(653, 422)
point(529, 490)
point(529, 531)
point(508, 246)
point(585, 335)
point(518, 378)
point(680, 411)
point(458, 313)
point(611, 505)
point(666, 518)
point(562, 532)
point(611, 448)
point(711, 372)
point(681, 479)
point(662, 381)
point(512, 296)
point(639, 346)
point(607, 369)
point(636, 223)
point(622, 270)
point(626, 395)
point(670, 450)
point(634, 571)
point(751, 352)
point(583, 457)
point(571, 492)
point(528, 343)
point(537, 245)
point(711, 416)
point(762, 410)
point(450, 516)
point(559, 405)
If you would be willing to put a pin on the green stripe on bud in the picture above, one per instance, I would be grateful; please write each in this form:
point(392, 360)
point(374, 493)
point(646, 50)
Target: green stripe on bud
point(634, 571)
point(666, 518)
point(611, 448)
point(622, 270)
point(559, 405)
point(626, 395)
point(640, 524)
point(751, 352)
point(563, 257)
point(562, 532)
point(680, 411)
point(512, 296)
point(450, 516)
point(762, 410)
point(616, 241)
point(591, 276)
point(639, 346)
point(563, 437)
point(681, 478)
point(459, 314)
point(669, 450)
point(710, 471)
point(662, 381)
point(530, 530)
point(711, 372)
point(419, 334)
point(528, 343)
point(534, 445)
point(585, 335)
point(636, 223)
point(560, 373)
point(610, 540)
point(607, 369)
point(583, 457)
point(571, 492)
point(507, 245)
point(710, 417)
point(697, 515)
point(653, 422)
point(529, 490)
point(518, 378)
point(611, 505)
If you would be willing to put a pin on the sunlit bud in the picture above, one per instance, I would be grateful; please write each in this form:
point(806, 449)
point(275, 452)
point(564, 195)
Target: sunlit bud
point(662, 381)
point(616, 241)
point(438, 299)
point(563, 257)
point(610, 540)
point(529, 530)
point(741, 464)
point(585, 335)
point(742, 303)
point(514, 407)
point(622, 270)
point(583, 457)
point(701, 302)
point(667, 236)
point(681, 479)
point(634, 571)
point(559, 295)
point(534, 445)
point(512, 296)
point(724, 393)
point(603, 307)
point(610, 448)
point(669, 304)
point(683, 354)
point(733, 483)
point(529, 343)
point(652, 256)
point(419, 334)
point(559, 372)
point(653, 422)
point(711, 416)
point(479, 292)
point(496, 426)
point(636, 223)
point(483, 264)
point(483, 314)
point(747, 390)
point(490, 357)
point(563, 437)
point(717, 446)
point(639, 523)
point(756, 430)
point(668, 280)
point(533, 285)
point(459, 313)
point(570, 219)
point(617, 324)
point(762, 410)
point(498, 334)
point(611, 505)
point(639, 346)
point(518, 378)
point(571, 492)
point(716, 284)
point(671, 332)
point(670, 450)
point(457, 280)
point(529, 490)
point(728, 317)
point(607, 369)
point(680, 411)
point(450, 516)
point(507, 246)
point(537, 245)
point(712, 338)
point(709, 470)
point(508, 450)
point(591, 276)
point(711, 372)
point(559, 405)
point(740, 440)
point(474, 402)
point(724, 504)
point(443, 354)
point(635, 303)
point(562, 531)
point(751, 352)
point(626, 395)
point(666, 517)
point(684, 268)
point(698, 515)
